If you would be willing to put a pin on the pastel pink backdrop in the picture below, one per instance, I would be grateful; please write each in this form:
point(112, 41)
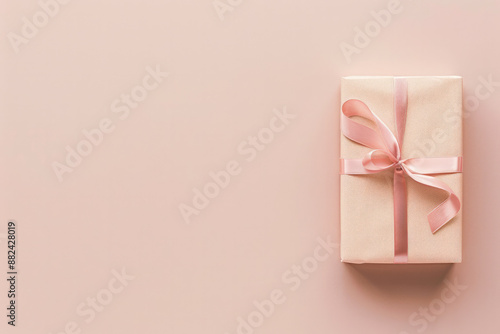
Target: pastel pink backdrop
point(120, 207)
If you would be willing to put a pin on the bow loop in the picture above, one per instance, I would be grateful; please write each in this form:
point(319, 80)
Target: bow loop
point(382, 139)
point(378, 160)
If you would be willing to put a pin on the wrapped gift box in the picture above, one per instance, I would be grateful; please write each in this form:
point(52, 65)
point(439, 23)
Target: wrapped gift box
point(433, 129)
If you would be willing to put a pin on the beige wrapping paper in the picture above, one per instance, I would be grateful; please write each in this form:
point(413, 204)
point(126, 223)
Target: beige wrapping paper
point(433, 129)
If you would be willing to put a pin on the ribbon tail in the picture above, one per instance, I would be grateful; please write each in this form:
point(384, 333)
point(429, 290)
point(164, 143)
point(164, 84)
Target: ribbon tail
point(400, 217)
point(445, 211)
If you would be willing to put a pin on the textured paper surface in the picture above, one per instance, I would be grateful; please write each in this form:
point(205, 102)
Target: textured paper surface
point(433, 129)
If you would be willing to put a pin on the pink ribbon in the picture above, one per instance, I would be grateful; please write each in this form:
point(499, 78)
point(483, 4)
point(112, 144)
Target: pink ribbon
point(386, 154)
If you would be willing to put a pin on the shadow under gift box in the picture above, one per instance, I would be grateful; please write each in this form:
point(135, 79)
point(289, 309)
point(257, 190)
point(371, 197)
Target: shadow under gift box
point(433, 129)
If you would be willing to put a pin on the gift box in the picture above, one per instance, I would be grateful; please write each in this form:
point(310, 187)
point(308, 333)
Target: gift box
point(401, 169)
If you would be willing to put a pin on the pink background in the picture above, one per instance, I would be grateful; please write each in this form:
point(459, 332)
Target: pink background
point(120, 207)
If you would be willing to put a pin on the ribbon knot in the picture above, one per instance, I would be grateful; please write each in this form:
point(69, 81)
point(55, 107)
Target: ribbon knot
point(386, 154)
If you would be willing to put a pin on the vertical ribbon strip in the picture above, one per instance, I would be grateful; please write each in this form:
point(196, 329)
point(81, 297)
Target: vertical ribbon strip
point(386, 154)
point(400, 195)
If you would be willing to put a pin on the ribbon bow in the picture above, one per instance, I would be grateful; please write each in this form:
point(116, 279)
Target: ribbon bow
point(386, 154)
